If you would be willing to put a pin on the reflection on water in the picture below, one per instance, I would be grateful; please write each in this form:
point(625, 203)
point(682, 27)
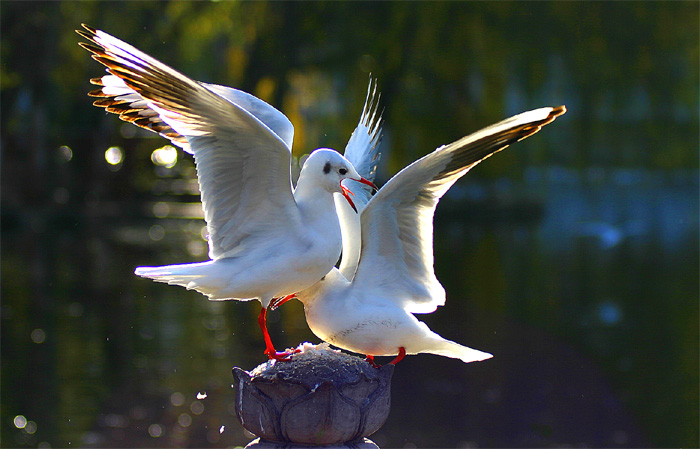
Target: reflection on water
point(582, 284)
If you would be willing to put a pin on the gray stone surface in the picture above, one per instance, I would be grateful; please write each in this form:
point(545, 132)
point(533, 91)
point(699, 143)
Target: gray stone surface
point(364, 443)
point(320, 397)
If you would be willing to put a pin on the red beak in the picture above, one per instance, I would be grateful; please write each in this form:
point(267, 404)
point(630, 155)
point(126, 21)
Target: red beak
point(366, 182)
point(346, 194)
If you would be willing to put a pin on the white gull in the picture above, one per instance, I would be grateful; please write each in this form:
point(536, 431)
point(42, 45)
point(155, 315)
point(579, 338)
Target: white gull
point(265, 239)
point(372, 312)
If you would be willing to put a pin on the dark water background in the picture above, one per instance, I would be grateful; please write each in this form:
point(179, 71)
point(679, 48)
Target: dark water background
point(572, 256)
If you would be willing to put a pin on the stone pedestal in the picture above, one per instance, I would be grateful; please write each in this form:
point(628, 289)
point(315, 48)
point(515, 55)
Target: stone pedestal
point(321, 397)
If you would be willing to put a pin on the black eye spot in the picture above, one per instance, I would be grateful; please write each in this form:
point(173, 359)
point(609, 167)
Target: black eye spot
point(342, 171)
point(327, 168)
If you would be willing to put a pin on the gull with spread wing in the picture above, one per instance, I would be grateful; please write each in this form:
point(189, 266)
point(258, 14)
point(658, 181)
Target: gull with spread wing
point(372, 312)
point(265, 239)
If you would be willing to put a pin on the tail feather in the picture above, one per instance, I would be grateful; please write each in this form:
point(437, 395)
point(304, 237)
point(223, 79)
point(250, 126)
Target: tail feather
point(171, 274)
point(196, 276)
point(449, 348)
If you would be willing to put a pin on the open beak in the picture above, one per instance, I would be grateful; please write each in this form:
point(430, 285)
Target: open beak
point(346, 194)
point(366, 182)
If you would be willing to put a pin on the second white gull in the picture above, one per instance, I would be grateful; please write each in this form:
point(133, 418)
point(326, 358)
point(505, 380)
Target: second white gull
point(372, 312)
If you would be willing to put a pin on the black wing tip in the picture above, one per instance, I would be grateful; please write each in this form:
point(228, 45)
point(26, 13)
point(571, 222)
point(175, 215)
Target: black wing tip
point(92, 30)
point(94, 49)
point(558, 111)
point(489, 146)
point(90, 34)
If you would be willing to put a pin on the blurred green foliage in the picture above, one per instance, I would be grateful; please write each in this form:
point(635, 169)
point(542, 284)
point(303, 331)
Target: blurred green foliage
point(445, 68)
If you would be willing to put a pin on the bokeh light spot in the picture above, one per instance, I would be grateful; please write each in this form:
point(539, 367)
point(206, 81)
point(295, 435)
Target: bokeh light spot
point(184, 420)
point(177, 399)
point(65, 153)
point(156, 232)
point(155, 430)
point(196, 248)
point(38, 336)
point(197, 407)
point(114, 156)
point(30, 428)
point(165, 156)
point(20, 421)
point(161, 209)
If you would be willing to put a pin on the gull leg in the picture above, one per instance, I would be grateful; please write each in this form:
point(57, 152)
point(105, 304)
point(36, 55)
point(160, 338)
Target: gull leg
point(370, 359)
point(402, 354)
point(269, 347)
point(276, 302)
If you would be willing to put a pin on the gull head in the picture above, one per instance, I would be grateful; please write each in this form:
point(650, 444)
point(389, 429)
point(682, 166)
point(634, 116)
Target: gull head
point(328, 169)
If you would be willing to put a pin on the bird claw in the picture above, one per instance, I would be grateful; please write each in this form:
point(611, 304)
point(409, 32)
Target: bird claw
point(285, 356)
point(402, 353)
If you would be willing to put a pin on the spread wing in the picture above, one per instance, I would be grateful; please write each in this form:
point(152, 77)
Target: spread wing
point(243, 159)
point(118, 98)
point(362, 151)
point(397, 224)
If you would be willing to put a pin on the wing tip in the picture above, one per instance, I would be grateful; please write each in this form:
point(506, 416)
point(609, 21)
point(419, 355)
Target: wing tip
point(557, 111)
point(90, 34)
point(92, 30)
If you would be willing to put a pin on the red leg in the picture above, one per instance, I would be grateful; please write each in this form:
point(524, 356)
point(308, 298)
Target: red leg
point(276, 302)
point(402, 354)
point(370, 359)
point(269, 347)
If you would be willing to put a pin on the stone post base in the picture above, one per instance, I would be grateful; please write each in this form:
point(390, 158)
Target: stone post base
point(321, 397)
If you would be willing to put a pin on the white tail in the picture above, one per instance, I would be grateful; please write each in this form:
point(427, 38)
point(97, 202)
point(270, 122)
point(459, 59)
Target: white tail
point(193, 276)
point(449, 348)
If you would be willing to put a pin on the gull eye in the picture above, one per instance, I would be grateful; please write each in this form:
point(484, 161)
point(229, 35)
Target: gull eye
point(343, 171)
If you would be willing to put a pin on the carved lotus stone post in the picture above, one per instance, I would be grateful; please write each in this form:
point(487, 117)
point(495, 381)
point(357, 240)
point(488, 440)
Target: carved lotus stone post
point(321, 397)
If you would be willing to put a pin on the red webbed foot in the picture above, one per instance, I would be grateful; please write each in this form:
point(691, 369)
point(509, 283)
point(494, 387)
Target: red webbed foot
point(402, 353)
point(285, 356)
